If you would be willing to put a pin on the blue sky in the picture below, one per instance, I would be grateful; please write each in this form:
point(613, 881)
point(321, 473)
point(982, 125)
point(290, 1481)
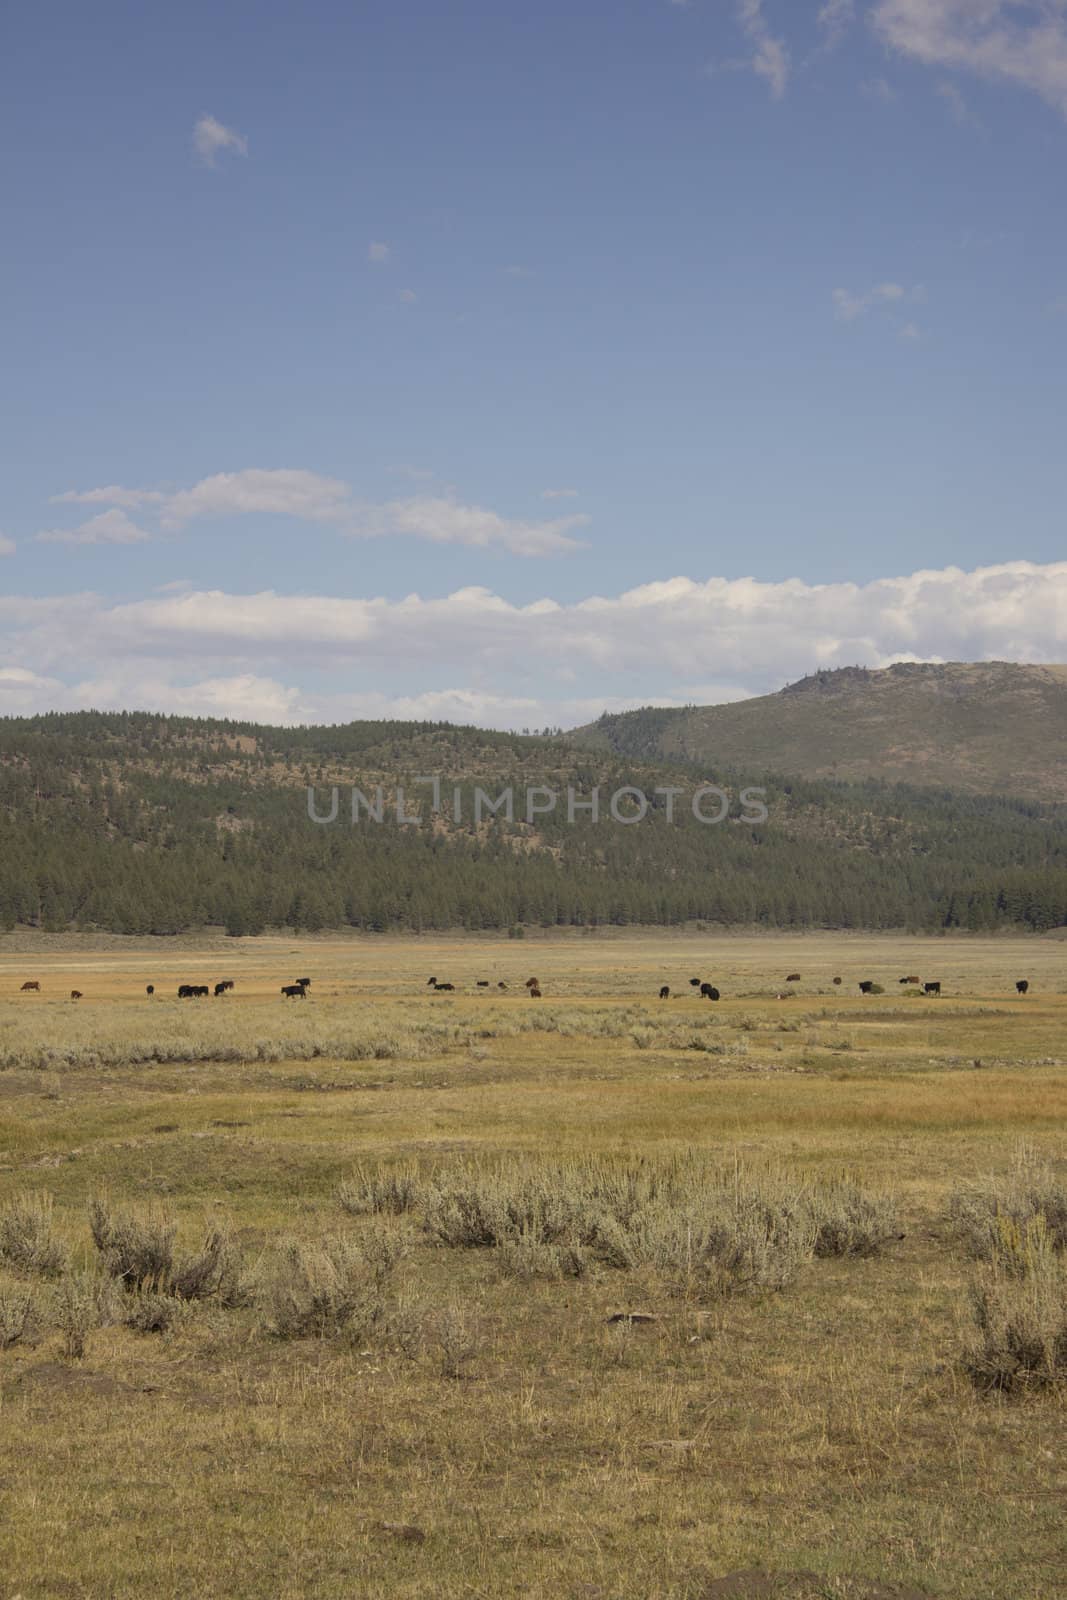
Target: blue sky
point(506, 363)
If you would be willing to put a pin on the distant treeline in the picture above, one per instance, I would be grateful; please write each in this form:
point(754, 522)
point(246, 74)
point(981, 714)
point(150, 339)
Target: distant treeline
point(143, 824)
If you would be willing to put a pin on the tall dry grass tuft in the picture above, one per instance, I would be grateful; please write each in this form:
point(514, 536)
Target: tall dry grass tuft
point(1019, 1309)
point(390, 1191)
point(1030, 1189)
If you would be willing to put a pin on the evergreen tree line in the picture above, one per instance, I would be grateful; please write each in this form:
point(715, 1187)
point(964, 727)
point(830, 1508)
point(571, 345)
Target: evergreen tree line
point(140, 824)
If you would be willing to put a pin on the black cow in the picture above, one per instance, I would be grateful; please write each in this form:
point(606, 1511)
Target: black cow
point(185, 991)
point(708, 991)
point(75, 994)
point(151, 989)
point(291, 990)
point(866, 987)
point(220, 988)
point(931, 988)
point(665, 993)
point(535, 993)
point(200, 991)
point(443, 988)
point(794, 977)
point(694, 983)
point(1022, 986)
point(431, 983)
point(305, 983)
point(502, 984)
point(837, 980)
point(483, 983)
point(532, 983)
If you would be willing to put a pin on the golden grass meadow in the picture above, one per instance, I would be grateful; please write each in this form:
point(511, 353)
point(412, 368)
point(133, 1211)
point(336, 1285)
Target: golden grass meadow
point(390, 1291)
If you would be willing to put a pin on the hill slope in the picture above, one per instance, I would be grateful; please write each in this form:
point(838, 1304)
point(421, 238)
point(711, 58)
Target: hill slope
point(139, 824)
point(986, 728)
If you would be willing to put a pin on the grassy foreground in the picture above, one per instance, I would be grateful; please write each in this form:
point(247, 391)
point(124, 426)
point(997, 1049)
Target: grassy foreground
point(497, 1434)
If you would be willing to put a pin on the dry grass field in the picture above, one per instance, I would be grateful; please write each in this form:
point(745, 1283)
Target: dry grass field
point(370, 1399)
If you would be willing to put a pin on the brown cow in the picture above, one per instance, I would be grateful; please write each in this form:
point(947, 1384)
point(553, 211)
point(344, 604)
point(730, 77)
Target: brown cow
point(535, 993)
point(794, 977)
point(75, 994)
point(31, 984)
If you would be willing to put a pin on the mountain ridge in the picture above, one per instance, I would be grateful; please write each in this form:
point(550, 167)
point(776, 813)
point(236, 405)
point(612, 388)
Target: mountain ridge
point(975, 727)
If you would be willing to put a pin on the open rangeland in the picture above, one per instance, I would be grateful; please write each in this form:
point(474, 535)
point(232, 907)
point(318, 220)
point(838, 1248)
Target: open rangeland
point(331, 1295)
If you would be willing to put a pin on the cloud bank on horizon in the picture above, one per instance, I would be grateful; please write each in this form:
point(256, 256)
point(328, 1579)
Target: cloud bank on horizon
point(471, 656)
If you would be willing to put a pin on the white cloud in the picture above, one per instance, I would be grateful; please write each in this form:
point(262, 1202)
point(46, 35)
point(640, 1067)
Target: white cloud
point(7, 546)
point(674, 640)
point(378, 252)
point(446, 521)
point(878, 89)
point(408, 296)
point(107, 527)
point(770, 59)
point(311, 497)
point(559, 494)
point(1017, 41)
point(210, 136)
point(911, 330)
point(281, 491)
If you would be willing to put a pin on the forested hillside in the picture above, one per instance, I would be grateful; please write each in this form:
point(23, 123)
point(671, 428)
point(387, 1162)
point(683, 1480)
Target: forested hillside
point(143, 824)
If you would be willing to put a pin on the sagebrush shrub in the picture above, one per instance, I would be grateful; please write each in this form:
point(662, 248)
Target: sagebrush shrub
point(137, 1248)
point(18, 1313)
point(27, 1240)
point(336, 1286)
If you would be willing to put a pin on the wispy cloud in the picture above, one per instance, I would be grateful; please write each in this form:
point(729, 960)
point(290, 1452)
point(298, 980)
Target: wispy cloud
point(312, 497)
point(107, 527)
point(957, 105)
point(378, 252)
point(408, 296)
point(112, 494)
point(1017, 41)
point(879, 89)
point(7, 546)
point(559, 494)
point(835, 19)
point(442, 520)
point(211, 136)
point(770, 59)
point(848, 306)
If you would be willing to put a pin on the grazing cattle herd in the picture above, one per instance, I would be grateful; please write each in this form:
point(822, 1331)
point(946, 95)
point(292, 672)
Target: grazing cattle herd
point(706, 990)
